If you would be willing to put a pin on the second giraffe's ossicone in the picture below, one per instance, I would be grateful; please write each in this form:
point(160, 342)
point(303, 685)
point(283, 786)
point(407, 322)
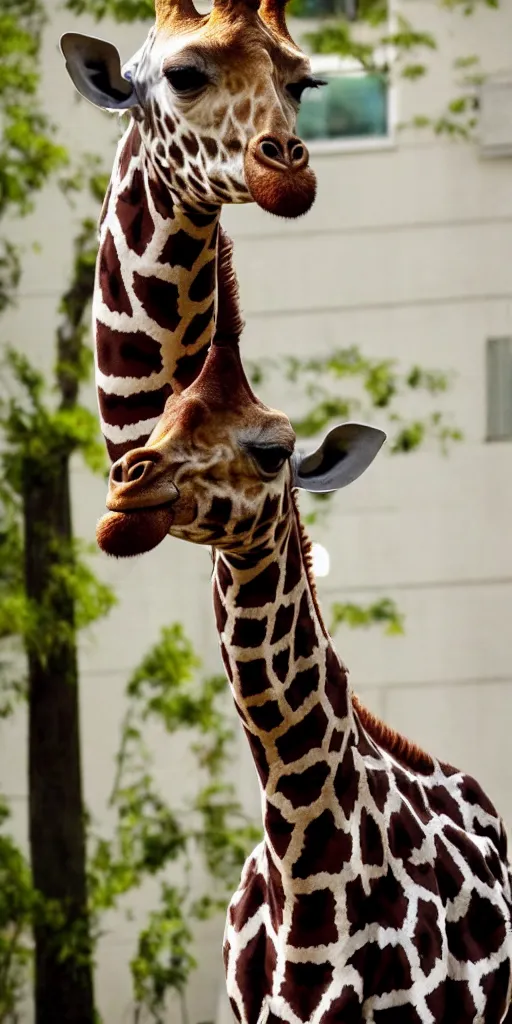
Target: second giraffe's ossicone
point(215, 98)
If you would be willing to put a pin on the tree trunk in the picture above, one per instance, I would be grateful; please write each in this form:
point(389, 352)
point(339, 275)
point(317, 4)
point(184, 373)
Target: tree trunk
point(63, 963)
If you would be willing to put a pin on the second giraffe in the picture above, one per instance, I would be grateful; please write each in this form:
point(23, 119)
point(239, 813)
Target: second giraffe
point(380, 893)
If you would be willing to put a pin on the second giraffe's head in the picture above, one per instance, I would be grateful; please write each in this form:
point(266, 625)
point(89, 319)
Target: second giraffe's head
point(216, 98)
point(219, 466)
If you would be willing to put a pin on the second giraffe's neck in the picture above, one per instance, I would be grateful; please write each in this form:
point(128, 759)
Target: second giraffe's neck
point(154, 297)
point(289, 686)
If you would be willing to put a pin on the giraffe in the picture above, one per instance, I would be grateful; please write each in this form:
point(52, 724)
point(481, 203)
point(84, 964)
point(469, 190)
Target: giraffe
point(380, 892)
point(213, 102)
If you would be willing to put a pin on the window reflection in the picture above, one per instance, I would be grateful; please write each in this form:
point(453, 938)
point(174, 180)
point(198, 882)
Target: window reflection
point(351, 105)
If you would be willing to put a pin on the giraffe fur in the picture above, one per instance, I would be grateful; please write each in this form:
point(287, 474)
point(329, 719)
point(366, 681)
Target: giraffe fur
point(212, 103)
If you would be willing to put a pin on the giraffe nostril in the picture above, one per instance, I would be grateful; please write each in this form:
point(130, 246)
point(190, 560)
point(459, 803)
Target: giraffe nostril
point(117, 473)
point(271, 150)
point(296, 152)
point(138, 471)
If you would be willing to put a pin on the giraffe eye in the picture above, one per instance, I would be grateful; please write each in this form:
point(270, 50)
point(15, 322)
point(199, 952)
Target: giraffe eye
point(186, 79)
point(270, 457)
point(296, 89)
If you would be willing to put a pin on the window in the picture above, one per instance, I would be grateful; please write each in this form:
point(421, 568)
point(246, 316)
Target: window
point(499, 389)
point(353, 105)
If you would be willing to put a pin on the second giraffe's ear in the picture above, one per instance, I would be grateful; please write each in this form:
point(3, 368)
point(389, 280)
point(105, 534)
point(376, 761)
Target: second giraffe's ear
point(94, 67)
point(343, 456)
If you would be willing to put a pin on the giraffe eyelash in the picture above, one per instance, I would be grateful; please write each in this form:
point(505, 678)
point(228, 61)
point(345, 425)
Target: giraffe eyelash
point(296, 89)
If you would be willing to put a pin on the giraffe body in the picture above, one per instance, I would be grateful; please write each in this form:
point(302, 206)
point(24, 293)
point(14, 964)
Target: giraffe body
point(381, 891)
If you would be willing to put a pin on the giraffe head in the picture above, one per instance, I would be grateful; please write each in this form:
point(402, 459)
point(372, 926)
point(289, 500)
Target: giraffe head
point(216, 98)
point(219, 466)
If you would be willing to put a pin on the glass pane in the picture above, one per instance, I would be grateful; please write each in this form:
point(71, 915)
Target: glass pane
point(499, 389)
point(350, 106)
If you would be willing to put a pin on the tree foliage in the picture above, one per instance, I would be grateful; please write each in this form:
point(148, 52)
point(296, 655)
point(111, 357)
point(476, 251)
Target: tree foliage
point(371, 384)
point(16, 909)
point(120, 10)
point(29, 154)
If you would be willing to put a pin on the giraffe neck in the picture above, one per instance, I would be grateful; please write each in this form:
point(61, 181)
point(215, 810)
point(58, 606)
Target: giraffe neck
point(289, 687)
point(154, 296)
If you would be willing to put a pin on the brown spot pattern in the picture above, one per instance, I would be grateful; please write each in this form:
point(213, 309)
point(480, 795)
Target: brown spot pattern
point(370, 840)
point(346, 783)
point(479, 933)
point(326, 848)
point(181, 250)
point(281, 664)
point(266, 716)
point(336, 685)
point(258, 753)
point(276, 897)
point(427, 936)
point(305, 632)
point(386, 904)
point(121, 353)
point(159, 299)
point(249, 632)
point(302, 789)
point(260, 590)
point(278, 829)
point(383, 969)
point(283, 623)
point(250, 902)
point(495, 986)
point(143, 405)
point(304, 986)
point(112, 286)
point(304, 684)
point(134, 216)
point(203, 284)
point(303, 737)
point(255, 966)
point(313, 921)
point(197, 326)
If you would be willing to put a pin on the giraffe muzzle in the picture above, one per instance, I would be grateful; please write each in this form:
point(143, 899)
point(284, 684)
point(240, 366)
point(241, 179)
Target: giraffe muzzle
point(278, 175)
point(140, 501)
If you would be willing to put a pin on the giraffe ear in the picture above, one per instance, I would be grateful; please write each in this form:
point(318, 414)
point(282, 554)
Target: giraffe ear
point(94, 67)
point(343, 456)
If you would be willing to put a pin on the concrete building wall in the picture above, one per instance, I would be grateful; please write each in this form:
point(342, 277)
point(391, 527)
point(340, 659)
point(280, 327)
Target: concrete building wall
point(407, 253)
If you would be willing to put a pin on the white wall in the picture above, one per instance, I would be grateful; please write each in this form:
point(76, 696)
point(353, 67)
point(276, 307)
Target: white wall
point(407, 253)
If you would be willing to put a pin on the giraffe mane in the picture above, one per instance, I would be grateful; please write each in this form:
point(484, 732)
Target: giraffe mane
point(404, 750)
point(408, 753)
point(229, 321)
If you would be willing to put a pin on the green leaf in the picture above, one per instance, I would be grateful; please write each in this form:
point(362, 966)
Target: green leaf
point(413, 71)
point(383, 612)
